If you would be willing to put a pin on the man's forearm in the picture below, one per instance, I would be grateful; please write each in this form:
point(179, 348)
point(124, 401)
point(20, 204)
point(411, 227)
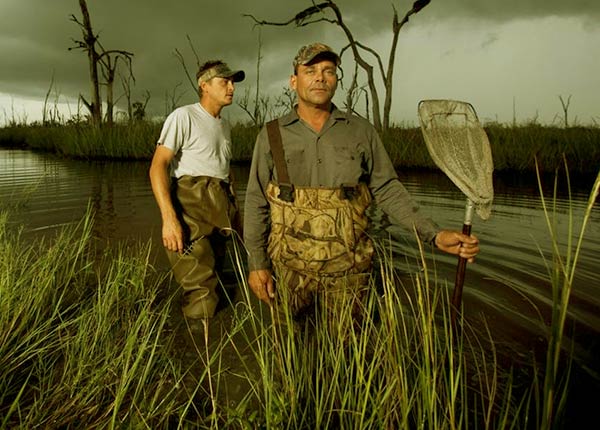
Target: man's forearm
point(161, 186)
point(395, 201)
point(256, 235)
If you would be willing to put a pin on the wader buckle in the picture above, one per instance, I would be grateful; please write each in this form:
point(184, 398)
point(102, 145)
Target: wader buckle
point(227, 187)
point(349, 192)
point(286, 192)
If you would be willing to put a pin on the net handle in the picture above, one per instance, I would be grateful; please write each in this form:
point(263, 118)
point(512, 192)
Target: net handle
point(461, 266)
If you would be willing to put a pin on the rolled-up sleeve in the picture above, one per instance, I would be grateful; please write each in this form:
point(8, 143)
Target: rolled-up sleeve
point(391, 196)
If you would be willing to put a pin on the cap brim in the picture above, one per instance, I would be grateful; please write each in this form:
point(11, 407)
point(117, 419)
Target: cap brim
point(324, 55)
point(236, 76)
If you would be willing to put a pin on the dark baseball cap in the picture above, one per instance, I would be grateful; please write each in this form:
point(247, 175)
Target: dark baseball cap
point(221, 71)
point(308, 53)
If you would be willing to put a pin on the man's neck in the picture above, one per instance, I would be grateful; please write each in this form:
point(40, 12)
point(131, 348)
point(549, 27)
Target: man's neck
point(314, 116)
point(212, 108)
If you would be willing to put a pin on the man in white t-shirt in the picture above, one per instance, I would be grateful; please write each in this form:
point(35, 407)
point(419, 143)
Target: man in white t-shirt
point(191, 183)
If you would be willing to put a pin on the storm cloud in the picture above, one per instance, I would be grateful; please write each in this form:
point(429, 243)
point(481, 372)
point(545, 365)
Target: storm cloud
point(35, 37)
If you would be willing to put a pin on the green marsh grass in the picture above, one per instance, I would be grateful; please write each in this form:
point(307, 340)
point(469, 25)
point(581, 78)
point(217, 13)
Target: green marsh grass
point(83, 339)
point(561, 270)
point(121, 141)
point(402, 366)
point(514, 148)
point(536, 147)
point(130, 141)
point(86, 341)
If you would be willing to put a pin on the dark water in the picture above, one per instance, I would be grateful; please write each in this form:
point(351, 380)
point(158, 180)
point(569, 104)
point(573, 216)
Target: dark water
point(508, 284)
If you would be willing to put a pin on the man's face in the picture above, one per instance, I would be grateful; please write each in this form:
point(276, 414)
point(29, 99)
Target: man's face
point(219, 90)
point(315, 83)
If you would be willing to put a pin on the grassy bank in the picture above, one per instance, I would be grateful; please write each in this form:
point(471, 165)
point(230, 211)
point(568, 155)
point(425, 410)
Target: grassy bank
point(133, 141)
point(82, 336)
point(86, 341)
point(513, 148)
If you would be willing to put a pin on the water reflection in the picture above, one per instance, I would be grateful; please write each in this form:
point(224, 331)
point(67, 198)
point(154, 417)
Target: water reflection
point(509, 284)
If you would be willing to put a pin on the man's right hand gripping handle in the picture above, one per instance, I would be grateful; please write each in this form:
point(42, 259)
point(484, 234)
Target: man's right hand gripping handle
point(261, 283)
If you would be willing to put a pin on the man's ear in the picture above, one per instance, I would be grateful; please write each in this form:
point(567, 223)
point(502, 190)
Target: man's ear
point(293, 79)
point(202, 85)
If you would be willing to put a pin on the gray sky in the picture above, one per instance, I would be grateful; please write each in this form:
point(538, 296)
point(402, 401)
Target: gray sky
point(488, 52)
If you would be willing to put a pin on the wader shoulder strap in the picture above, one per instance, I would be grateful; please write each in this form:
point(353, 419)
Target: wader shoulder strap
point(277, 151)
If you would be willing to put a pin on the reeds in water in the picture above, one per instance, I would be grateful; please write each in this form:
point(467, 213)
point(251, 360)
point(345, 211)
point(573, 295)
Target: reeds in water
point(561, 270)
point(120, 141)
point(83, 337)
point(514, 148)
point(401, 365)
point(86, 340)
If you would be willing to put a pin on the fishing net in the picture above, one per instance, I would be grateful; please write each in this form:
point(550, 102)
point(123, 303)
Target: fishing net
point(460, 148)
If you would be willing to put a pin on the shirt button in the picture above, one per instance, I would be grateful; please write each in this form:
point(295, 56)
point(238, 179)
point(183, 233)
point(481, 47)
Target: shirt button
point(319, 161)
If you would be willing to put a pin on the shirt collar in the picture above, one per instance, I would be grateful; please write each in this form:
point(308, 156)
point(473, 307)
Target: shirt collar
point(292, 116)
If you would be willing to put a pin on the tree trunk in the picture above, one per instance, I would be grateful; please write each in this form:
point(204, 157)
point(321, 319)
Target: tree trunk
point(126, 84)
point(90, 40)
point(303, 18)
point(387, 103)
point(110, 103)
point(109, 72)
point(363, 64)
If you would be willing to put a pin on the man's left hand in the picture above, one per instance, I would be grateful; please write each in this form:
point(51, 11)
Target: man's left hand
point(454, 242)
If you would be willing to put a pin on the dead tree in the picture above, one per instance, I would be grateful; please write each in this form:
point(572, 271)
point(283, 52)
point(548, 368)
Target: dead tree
point(136, 110)
point(88, 44)
point(565, 106)
point(126, 85)
point(139, 107)
point(283, 103)
point(257, 108)
point(98, 57)
point(47, 118)
point(173, 98)
point(109, 60)
point(180, 57)
point(319, 13)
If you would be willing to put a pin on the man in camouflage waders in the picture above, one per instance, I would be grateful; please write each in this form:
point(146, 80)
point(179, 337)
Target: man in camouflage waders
point(314, 172)
point(191, 183)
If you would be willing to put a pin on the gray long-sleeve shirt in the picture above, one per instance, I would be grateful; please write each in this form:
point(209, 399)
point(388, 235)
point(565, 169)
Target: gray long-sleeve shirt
point(346, 151)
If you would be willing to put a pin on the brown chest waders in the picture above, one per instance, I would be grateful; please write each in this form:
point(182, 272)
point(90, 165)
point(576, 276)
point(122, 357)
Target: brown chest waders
point(208, 212)
point(317, 242)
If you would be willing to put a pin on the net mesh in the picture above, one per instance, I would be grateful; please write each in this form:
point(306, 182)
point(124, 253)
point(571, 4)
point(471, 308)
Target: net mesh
point(460, 147)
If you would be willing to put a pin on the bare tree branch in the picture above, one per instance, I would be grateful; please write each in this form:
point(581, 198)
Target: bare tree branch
point(89, 45)
point(98, 55)
point(181, 60)
point(172, 99)
point(45, 111)
point(298, 19)
point(85, 102)
point(109, 60)
point(283, 24)
point(565, 106)
point(308, 16)
point(187, 36)
point(190, 77)
point(377, 57)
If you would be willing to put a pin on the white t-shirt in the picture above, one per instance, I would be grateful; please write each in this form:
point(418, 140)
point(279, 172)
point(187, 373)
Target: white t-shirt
point(201, 142)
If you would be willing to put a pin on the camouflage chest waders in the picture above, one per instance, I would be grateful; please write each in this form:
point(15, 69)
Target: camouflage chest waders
point(208, 212)
point(318, 243)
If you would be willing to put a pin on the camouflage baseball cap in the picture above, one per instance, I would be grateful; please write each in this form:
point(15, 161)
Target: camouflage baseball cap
point(308, 53)
point(220, 71)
